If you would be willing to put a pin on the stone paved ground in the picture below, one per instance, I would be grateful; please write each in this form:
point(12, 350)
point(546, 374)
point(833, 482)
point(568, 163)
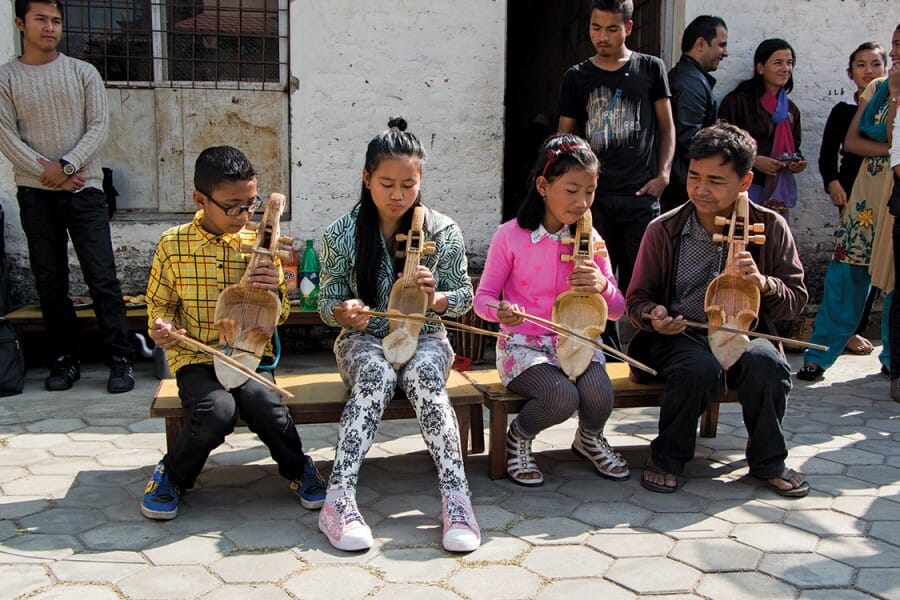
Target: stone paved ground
point(73, 467)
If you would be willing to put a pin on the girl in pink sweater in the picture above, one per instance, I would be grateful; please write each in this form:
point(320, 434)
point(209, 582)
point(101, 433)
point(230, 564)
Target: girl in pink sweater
point(524, 268)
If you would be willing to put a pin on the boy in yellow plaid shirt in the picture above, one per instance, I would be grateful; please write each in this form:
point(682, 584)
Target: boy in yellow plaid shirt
point(194, 262)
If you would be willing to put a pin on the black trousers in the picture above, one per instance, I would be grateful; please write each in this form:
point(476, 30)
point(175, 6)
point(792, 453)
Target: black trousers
point(621, 222)
point(694, 377)
point(214, 413)
point(894, 317)
point(49, 218)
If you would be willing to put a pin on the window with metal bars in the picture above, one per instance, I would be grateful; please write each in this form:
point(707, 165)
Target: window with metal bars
point(221, 44)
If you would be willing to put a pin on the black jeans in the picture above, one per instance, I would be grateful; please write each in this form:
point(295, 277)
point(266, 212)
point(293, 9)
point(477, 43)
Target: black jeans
point(214, 413)
point(49, 218)
point(621, 222)
point(894, 317)
point(694, 377)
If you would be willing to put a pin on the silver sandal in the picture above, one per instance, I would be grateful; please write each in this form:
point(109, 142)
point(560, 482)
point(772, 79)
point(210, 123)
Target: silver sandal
point(596, 449)
point(520, 461)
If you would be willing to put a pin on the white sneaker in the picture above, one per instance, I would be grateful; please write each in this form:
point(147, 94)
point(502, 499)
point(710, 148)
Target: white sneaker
point(342, 523)
point(461, 531)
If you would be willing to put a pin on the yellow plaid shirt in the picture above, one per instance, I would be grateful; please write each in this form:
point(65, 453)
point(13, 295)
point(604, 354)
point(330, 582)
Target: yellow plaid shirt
point(190, 268)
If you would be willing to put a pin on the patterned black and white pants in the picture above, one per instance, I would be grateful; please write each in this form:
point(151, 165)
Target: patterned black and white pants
point(372, 381)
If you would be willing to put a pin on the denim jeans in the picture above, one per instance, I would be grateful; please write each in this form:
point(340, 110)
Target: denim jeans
point(214, 413)
point(694, 377)
point(49, 218)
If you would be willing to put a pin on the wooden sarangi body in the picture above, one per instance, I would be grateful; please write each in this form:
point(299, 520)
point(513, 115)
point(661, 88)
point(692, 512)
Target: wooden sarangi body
point(246, 316)
point(583, 312)
point(406, 298)
point(731, 300)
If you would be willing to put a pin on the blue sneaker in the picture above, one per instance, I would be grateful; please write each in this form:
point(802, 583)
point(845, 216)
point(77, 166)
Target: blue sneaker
point(311, 489)
point(160, 496)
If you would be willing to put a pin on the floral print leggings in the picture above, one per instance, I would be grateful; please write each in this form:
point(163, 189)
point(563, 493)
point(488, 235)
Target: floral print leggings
point(372, 381)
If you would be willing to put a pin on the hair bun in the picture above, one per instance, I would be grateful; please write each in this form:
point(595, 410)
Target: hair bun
point(397, 122)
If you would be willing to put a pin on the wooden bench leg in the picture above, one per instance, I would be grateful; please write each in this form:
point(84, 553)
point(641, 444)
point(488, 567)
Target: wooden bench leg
point(463, 420)
point(709, 422)
point(476, 417)
point(497, 453)
point(174, 425)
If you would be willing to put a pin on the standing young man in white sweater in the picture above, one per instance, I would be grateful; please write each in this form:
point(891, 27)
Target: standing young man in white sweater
point(53, 122)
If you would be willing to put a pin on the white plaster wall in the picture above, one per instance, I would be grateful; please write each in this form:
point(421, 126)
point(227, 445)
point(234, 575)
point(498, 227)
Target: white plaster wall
point(823, 33)
point(440, 64)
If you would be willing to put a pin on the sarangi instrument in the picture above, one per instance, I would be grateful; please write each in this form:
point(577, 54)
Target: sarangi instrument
point(732, 301)
point(582, 312)
point(406, 298)
point(246, 316)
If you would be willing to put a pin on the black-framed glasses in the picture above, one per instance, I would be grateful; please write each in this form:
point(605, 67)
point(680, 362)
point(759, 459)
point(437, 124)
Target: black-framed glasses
point(235, 211)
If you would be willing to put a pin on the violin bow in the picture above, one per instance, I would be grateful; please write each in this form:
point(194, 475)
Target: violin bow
point(567, 332)
point(210, 351)
point(735, 330)
point(448, 324)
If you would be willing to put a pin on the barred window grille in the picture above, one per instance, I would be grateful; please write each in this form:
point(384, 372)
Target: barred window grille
point(220, 44)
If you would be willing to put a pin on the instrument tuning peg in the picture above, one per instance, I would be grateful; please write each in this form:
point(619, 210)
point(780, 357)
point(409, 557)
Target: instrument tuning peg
point(429, 248)
point(402, 237)
point(718, 237)
point(246, 248)
point(286, 240)
point(283, 255)
point(566, 258)
point(568, 239)
point(252, 225)
point(722, 221)
point(757, 239)
point(757, 227)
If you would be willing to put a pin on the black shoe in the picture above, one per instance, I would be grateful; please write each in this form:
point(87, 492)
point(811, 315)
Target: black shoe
point(65, 371)
point(121, 375)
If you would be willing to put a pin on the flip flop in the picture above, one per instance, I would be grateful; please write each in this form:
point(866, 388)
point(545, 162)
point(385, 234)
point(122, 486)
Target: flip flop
point(797, 492)
point(659, 488)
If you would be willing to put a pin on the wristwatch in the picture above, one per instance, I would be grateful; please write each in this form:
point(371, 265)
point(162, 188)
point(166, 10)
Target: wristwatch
point(68, 168)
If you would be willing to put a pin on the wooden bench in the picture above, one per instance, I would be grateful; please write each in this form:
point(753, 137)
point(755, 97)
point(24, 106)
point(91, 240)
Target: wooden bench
point(501, 403)
point(320, 398)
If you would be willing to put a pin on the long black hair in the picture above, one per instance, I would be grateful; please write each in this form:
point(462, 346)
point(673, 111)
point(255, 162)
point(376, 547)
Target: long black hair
point(396, 142)
point(558, 155)
point(765, 50)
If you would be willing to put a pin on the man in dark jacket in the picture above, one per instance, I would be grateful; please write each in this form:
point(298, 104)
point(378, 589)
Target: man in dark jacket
point(703, 45)
point(677, 260)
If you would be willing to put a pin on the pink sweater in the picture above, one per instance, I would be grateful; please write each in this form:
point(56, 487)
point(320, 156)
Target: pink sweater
point(532, 276)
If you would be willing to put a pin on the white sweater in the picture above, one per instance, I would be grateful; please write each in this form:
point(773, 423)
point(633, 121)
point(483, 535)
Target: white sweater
point(56, 110)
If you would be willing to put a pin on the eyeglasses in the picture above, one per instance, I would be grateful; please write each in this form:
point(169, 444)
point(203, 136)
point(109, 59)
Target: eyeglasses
point(236, 211)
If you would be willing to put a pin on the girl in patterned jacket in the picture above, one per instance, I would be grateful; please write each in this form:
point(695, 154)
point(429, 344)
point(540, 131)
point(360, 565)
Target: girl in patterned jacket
point(358, 270)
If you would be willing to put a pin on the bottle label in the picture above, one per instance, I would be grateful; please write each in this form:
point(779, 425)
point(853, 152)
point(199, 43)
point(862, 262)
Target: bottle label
point(309, 283)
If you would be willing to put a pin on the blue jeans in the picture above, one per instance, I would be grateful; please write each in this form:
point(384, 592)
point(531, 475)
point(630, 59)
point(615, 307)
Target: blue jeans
point(49, 218)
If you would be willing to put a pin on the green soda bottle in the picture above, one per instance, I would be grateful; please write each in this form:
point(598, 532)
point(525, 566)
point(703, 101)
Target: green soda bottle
point(309, 278)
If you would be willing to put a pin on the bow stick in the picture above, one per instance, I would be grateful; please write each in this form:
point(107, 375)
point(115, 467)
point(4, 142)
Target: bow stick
point(764, 336)
point(566, 332)
point(448, 324)
point(210, 351)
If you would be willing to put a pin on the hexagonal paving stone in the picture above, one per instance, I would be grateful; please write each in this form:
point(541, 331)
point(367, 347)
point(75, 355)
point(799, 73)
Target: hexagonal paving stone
point(624, 542)
point(78, 592)
point(335, 583)
point(887, 531)
point(497, 547)
point(413, 564)
point(825, 522)
point(90, 496)
point(720, 488)
point(869, 508)
point(257, 591)
point(682, 502)
point(495, 582)
point(686, 525)
point(16, 507)
point(123, 536)
point(10, 457)
point(159, 583)
point(881, 582)
point(584, 588)
point(46, 440)
point(419, 591)
point(62, 520)
point(55, 426)
point(860, 551)
point(753, 511)
point(880, 474)
point(838, 485)
point(493, 517)
point(554, 530)
point(653, 575)
point(261, 567)
point(775, 537)
point(267, 534)
point(592, 490)
point(807, 570)
point(38, 548)
point(834, 594)
point(612, 514)
point(98, 566)
point(197, 549)
point(539, 504)
point(17, 581)
point(561, 562)
point(728, 586)
point(716, 555)
point(81, 448)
